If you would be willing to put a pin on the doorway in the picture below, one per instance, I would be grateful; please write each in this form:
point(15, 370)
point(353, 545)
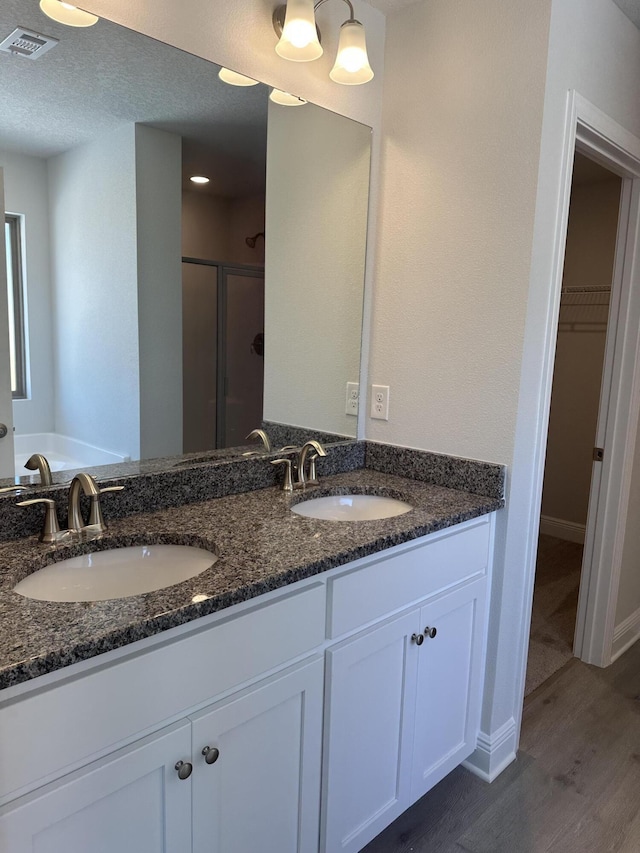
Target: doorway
point(223, 353)
point(577, 391)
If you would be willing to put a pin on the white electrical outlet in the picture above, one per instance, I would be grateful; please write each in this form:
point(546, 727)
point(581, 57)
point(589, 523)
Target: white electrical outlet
point(353, 398)
point(380, 402)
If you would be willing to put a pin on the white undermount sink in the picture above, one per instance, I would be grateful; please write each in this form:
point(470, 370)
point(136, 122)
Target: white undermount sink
point(117, 573)
point(351, 507)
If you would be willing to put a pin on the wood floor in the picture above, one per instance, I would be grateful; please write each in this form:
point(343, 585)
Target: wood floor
point(574, 788)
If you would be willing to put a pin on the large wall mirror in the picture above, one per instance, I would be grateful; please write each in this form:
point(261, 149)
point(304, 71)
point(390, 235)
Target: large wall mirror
point(160, 316)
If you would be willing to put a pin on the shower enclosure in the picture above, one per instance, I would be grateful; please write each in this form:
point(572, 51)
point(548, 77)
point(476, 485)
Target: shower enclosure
point(223, 352)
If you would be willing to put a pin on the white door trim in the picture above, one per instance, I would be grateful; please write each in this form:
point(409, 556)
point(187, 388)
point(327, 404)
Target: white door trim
point(593, 133)
point(600, 138)
point(520, 528)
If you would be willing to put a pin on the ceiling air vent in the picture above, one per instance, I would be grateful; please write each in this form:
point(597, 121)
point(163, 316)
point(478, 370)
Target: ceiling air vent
point(26, 43)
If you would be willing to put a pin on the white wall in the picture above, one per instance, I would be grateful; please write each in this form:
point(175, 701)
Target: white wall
point(158, 163)
point(205, 226)
point(628, 604)
point(246, 220)
point(215, 228)
point(317, 174)
point(462, 111)
point(94, 274)
point(25, 186)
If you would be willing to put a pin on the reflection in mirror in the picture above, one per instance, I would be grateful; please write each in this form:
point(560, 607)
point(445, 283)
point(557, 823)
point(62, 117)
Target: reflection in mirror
point(165, 317)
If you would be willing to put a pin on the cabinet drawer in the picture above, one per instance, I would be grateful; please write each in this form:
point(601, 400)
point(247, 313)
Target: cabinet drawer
point(381, 587)
point(82, 717)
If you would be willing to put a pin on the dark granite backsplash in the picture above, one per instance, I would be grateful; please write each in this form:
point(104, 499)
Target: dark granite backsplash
point(281, 435)
point(193, 481)
point(453, 472)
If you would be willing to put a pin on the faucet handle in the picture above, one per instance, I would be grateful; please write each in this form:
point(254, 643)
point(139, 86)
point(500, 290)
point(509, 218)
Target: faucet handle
point(312, 479)
point(51, 529)
point(95, 511)
point(287, 484)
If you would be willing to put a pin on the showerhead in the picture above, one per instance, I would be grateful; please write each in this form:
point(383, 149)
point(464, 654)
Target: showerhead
point(251, 241)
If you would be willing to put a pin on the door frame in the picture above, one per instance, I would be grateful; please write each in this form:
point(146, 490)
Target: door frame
point(592, 133)
point(224, 271)
point(6, 397)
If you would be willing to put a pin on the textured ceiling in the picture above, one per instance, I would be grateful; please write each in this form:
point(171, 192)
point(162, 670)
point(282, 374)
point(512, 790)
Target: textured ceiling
point(104, 76)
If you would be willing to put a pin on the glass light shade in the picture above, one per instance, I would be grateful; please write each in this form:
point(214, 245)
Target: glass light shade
point(285, 99)
point(299, 39)
point(199, 179)
point(65, 13)
point(352, 63)
point(235, 79)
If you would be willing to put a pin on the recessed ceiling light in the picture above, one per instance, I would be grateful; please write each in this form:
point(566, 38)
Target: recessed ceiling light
point(235, 79)
point(65, 13)
point(199, 179)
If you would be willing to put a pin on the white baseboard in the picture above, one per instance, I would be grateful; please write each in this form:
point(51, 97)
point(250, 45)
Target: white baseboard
point(562, 529)
point(625, 635)
point(494, 752)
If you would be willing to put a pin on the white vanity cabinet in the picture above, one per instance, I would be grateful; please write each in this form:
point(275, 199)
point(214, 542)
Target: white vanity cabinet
point(262, 786)
point(404, 700)
point(261, 789)
point(131, 800)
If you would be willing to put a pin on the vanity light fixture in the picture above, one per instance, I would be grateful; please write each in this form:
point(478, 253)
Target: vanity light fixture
point(285, 99)
point(300, 41)
point(199, 179)
point(235, 79)
point(65, 13)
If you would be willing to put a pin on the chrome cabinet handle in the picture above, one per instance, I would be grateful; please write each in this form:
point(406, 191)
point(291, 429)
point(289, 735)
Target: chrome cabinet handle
point(418, 639)
point(184, 769)
point(430, 632)
point(211, 754)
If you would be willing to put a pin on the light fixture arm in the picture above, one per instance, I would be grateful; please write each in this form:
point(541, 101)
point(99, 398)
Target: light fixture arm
point(348, 2)
point(279, 13)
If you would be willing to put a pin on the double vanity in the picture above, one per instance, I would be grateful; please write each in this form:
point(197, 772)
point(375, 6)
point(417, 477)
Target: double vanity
point(298, 694)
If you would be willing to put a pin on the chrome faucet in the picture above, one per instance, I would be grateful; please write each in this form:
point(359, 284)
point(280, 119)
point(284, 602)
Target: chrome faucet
point(300, 466)
point(77, 529)
point(305, 450)
point(264, 438)
point(96, 524)
point(38, 462)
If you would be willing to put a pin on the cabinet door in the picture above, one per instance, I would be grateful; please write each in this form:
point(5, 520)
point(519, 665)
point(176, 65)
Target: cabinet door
point(449, 687)
point(130, 800)
point(369, 715)
point(262, 791)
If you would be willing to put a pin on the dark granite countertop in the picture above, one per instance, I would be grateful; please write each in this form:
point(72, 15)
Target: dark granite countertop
point(261, 544)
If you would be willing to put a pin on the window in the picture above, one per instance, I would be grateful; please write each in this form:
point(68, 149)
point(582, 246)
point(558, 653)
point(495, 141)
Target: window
point(12, 229)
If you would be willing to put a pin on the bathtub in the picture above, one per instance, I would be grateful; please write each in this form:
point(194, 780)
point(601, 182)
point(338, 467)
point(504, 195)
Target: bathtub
point(61, 451)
